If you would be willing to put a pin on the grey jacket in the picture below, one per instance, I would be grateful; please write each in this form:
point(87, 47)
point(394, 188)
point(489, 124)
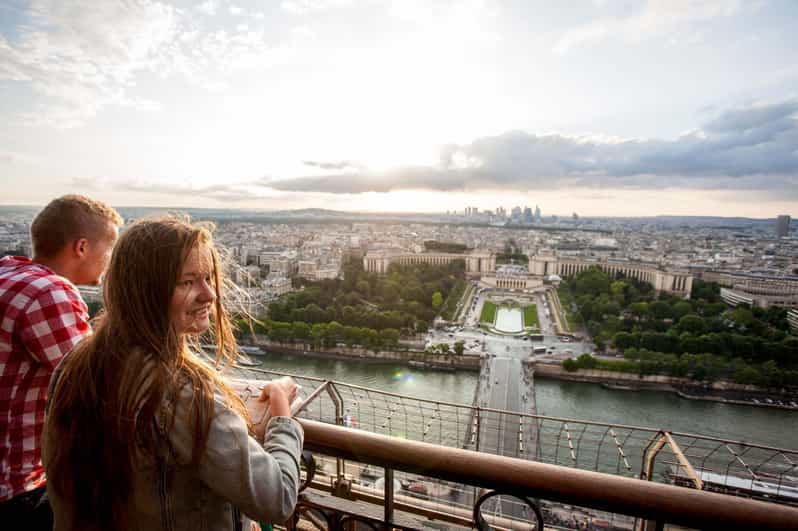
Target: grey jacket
point(236, 473)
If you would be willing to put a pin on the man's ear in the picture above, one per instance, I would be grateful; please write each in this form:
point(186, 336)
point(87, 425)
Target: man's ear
point(80, 247)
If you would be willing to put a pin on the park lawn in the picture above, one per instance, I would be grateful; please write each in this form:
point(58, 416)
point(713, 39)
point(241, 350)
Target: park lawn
point(488, 314)
point(531, 316)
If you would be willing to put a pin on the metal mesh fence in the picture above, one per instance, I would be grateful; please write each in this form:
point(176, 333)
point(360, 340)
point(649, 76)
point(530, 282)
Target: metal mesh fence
point(694, 461)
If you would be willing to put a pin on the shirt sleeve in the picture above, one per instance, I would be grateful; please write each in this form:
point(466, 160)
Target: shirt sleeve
point(261, 480)
point(52, 324)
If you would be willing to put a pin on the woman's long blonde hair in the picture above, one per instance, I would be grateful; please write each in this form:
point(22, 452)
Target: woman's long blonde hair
point(103, 409)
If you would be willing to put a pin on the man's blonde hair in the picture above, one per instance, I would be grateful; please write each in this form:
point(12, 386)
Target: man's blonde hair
point(69, 218)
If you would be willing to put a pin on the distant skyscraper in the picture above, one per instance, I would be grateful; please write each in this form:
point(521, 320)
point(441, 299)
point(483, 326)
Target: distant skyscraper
point(782, 226)
point(516, 212)
point(537, 213)
point(527, 214)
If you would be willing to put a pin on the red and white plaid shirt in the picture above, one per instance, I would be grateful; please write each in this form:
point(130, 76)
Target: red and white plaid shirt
point(43, 317)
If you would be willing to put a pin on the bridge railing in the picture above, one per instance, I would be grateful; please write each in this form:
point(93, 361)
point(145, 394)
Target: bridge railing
point(349, 428)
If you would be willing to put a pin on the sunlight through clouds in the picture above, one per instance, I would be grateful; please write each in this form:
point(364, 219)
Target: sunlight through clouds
point(252, 103)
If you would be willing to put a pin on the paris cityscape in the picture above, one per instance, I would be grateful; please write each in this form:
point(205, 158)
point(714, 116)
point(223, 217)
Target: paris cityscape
point(510, 264)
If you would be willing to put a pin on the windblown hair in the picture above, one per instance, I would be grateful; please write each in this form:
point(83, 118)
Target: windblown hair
point(101, 424)
point(69, 218)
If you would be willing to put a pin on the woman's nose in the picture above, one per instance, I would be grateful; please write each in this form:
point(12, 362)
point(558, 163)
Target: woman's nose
point(207, 294)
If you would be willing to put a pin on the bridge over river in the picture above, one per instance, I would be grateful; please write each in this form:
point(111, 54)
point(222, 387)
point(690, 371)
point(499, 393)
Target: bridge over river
point(505, 385)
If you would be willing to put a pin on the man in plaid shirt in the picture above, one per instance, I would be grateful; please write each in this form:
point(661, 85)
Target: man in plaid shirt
point(42, 317)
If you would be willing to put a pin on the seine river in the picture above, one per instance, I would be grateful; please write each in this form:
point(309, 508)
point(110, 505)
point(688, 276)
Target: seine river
point(581, 401)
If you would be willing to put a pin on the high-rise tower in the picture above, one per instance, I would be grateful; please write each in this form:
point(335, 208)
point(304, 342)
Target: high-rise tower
point(782, 226)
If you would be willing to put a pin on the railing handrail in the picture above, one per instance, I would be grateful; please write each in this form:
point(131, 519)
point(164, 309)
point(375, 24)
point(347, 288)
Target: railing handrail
point(633, 497)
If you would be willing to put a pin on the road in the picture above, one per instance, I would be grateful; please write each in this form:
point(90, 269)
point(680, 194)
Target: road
point(506, 382)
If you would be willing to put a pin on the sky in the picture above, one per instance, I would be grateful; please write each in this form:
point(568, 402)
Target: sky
point(602, 107)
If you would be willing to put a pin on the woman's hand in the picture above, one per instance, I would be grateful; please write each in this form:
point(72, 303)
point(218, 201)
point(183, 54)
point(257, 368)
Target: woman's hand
point(280, 393)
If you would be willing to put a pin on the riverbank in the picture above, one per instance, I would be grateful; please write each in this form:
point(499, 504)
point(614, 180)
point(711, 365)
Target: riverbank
point(722, 391)
point(411, 358)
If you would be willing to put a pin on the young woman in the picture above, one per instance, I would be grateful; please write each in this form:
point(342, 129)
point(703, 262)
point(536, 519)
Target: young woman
point(140, 433)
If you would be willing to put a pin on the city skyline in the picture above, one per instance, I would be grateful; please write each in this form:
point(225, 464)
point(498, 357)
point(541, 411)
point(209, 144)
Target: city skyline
point(601, 108)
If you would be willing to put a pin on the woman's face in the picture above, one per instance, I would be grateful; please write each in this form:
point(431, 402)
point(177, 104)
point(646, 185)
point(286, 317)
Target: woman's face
point(194, 294)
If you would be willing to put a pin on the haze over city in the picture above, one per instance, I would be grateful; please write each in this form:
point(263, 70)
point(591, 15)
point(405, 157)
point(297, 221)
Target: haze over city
point(601, 107)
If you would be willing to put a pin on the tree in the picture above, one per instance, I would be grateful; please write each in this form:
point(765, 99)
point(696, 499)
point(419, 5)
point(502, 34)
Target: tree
point(370, 338)
point(437, 300)
point(300, 330)
point(660, 309)
point(639, 310)
point(280, 332)
point(389, 337)
point(314, 313)
point(318, 332)
point(680, 309)
point(714, 308)
point(390, 291)
point(459, 348)
point(442, 348)
point(363, 287)
point(748, 376)
point(772, 373)
point(586, 361)
point(743, 316)
point(625, 340)
point(593, 282)
point(708, 291)
point(692, 323)
point(617, 288)
point(335, 332)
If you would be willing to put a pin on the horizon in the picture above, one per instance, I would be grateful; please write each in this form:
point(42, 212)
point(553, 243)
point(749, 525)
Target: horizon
point(607, 109)
point(544, 219)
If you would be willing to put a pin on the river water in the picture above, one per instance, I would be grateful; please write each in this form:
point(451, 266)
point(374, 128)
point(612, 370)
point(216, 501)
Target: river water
point(575, 400)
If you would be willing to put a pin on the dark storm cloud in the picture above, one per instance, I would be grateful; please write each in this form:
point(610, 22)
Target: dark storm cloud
point(754, 148)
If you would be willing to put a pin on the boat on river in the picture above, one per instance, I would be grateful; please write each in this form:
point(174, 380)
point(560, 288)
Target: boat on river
point(783, 489)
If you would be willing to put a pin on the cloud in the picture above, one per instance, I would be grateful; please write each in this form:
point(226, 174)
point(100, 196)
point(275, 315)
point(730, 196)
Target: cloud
point(208, 7)
point(81, 56)
point(303, 7)
point(656, 18)
point(334, 165)
point(235, 192)
point(749, 148)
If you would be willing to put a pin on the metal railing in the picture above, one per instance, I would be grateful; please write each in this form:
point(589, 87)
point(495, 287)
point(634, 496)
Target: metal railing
point(427, 458)
point(530, 480)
